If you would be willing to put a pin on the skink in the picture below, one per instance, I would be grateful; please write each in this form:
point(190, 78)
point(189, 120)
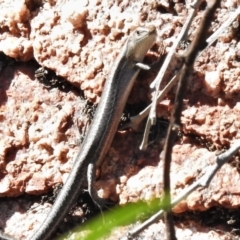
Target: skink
point(103, 128)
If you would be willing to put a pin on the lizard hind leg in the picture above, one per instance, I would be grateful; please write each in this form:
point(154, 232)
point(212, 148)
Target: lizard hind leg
point(100, 202)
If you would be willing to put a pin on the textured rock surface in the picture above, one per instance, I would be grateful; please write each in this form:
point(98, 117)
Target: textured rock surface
point(79, 40)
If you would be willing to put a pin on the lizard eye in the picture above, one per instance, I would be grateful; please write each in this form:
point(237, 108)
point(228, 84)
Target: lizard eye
point(138, 32)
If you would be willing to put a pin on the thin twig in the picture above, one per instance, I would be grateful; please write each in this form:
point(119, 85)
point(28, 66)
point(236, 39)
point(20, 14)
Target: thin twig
point(197, 44)
point(157, 82)
point(223, 27)
point(189, 57)
point(204, 181)
point(136, 120)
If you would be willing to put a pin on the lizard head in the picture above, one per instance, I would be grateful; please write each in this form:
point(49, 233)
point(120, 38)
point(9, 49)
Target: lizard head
point(139, 42)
